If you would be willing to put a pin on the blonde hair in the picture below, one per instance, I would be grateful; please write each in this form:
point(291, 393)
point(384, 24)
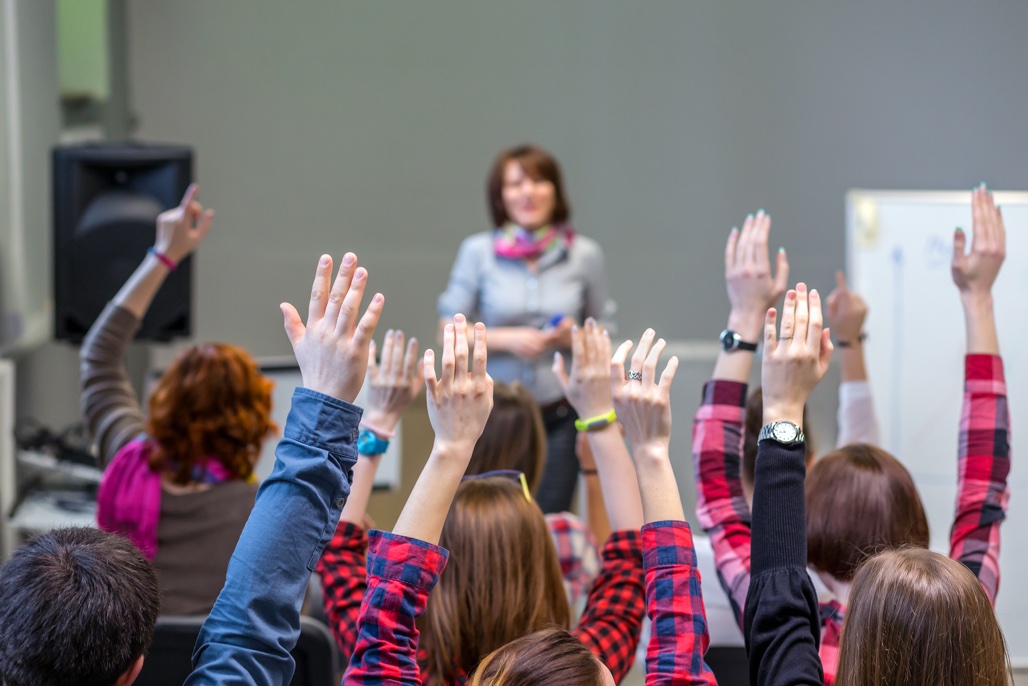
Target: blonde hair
point(502, 581)
point(551, 657)
point(916, 617)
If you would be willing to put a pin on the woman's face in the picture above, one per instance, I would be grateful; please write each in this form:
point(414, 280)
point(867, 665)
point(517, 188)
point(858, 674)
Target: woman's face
point(529, 202)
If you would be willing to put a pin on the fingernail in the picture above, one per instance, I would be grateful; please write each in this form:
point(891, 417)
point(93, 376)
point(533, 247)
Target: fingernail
point(749, 216)
point(735, 229)
point(361, 274)
point(791, 295)
point(982, 184)
point(781, 248)
point(459, 318)
point(449, 328)
point(650, 332)
point(760, 213)
point(324, 261)
point(661, 341)
point(801, 287)
point(412, 341)
point(378, 298)
point(574, 329)
point(349, 259)
point(960, 229)
point(389, 333)
point(813, 294)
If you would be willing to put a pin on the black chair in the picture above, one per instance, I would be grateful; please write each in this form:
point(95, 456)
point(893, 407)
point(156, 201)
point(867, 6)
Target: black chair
point(169, 661)
point(729, 664)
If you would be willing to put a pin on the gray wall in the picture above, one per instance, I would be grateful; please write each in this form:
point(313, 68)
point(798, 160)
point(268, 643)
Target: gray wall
point(369, 127)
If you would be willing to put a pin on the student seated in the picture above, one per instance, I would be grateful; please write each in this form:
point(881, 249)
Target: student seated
point(179, 483)
point(505, 580)
point(912, 616)
point(77, 606)
point(860, 499)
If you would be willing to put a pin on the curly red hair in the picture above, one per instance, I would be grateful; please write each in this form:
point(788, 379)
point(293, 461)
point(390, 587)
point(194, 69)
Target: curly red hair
point(211, 402)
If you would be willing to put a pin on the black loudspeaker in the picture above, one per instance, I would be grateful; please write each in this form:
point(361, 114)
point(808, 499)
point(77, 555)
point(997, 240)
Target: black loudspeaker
point(106, 200)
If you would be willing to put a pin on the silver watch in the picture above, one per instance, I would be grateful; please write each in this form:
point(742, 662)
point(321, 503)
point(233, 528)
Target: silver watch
point(782, 432)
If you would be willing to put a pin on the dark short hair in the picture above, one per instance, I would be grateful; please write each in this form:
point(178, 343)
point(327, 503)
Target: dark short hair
point(77, 606)
point(538, 164)
point(860, 501)
point(753, 424)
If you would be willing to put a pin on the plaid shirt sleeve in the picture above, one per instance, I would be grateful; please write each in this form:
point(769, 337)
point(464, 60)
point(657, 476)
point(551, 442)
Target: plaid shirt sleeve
point(576, 552)
point(343, 571)
point(613, 615)
point(401, 573)
point(674, 603)
point(720, 503)
point(983, 467)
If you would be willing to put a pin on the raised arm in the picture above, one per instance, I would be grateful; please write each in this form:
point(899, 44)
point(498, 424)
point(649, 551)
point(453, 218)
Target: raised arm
point(984, 453)
point(256, 619)
point(782, 626)
point(404, 566)
point(674, 601)
point(109, 403)
point(718, 428)
point(846, 313)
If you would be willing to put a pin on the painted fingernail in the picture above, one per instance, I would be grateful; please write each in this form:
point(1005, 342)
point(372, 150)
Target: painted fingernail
point(781, 248)
point(760, 213)
point(749, 216)
point(982, 184)
point(349, 259)
point(324, 261)
point(960, 230)
point(801, 287)
point(791, 295)
point(735, 229)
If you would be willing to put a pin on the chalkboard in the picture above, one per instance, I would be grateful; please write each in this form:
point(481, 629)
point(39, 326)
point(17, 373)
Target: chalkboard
point(899, 248)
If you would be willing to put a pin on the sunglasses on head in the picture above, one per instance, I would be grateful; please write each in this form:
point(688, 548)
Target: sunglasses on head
point(512, 474)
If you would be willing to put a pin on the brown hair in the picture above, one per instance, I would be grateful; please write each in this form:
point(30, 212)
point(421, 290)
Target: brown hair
point(917, 617)
point(551, 657)
point(502, 581)
point(538, 164)
point(514, 436)
point(211, 402)
point(860, 501)
point(754, 423)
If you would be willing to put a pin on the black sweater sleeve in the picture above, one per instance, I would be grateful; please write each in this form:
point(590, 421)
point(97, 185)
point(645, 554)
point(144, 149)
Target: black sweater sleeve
point(781, 620)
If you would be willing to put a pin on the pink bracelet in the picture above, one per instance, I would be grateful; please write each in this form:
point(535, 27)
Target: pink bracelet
point(164, 259)
point(381, 433)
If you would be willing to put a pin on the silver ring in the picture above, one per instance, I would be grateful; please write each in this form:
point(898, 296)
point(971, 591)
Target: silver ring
point(785, 338)
point(634, 376)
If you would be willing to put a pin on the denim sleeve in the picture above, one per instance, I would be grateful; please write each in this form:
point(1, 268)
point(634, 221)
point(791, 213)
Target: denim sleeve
point(256, 619)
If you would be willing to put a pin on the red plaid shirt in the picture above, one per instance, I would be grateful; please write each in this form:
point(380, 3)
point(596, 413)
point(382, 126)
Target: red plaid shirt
point(609, 626)
point(982, 493)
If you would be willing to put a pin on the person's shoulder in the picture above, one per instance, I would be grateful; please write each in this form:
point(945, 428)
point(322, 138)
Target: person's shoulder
point(483, 240)
point(586, 247)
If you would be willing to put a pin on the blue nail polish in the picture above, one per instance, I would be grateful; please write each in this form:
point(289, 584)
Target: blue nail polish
point(761, 212)
point(781, 248)
point(735, 229)
point(749, 216)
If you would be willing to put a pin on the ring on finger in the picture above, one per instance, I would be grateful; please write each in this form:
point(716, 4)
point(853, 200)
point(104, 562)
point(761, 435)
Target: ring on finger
point(785, 338)
point(634, 376)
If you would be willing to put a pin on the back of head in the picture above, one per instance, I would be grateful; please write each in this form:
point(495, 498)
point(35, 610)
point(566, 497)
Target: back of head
point(551, 657)
point(502, 580)
point(514, 436)
point(860, 502)
point(212, 402)
point(916, 617)
point(77, 606)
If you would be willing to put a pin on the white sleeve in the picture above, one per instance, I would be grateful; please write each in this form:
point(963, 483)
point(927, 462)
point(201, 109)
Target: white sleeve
point(857, 421)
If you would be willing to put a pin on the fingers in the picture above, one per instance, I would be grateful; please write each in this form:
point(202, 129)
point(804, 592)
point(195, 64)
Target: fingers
point(366, 327)
point(762, 228)
point(733, 240)
point(781, 273)
point(460, 352)
point(770, 335)
point(373, 358)
point(802, 314)
point(639, 358)
point(385, 366)
point(410, 360)
point(840, 281)
point(449, 357)
point(743, 251)
point(344, 301)
point(578, 355)
point(788, 325)
point(319, 291)
point(959, 247)
point(560, 372)
point(816, 319)
point(668, 375)
point(428, 372)
point(824, 357)
point(293, 325)
point(205, 223)
point(617, 364)
point(480, 359)
point(189, 196)
point(649, 368)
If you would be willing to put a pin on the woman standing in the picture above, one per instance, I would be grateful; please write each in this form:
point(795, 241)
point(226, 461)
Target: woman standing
point(529, 280)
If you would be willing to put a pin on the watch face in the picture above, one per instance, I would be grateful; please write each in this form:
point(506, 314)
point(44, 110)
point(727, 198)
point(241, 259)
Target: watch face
point(727, 340)
point(785, 432)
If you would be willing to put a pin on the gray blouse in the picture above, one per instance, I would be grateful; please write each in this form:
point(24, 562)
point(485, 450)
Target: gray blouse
point(500, 292)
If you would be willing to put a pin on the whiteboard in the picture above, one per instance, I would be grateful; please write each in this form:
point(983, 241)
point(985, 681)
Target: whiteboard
point(899, 248)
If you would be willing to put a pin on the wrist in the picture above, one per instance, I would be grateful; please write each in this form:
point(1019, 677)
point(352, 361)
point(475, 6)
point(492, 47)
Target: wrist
point(789, 412)
point(747, 324)
point(381, 422)
point(975, 302)
point(651, 453)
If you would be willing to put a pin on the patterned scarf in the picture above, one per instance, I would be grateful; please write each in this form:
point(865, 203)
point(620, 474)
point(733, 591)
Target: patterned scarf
point(514, 242)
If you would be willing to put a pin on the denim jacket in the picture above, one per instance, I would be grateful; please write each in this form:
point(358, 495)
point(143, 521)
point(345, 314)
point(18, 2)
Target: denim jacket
point(256, 619)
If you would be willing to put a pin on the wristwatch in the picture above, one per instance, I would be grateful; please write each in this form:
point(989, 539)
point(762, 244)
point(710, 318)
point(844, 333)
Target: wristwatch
point(731, 341)
point(370, 443)
point(783, 432)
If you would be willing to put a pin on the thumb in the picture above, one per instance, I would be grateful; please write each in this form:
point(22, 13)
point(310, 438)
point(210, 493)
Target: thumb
point(559, 371)
point(824, 357)
point(204, 224)
point(293, 324)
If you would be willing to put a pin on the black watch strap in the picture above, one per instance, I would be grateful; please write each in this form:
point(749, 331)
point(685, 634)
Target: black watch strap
point(731, 341)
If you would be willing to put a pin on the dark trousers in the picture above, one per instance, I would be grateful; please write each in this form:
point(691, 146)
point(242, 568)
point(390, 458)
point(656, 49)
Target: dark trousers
point(560, 475)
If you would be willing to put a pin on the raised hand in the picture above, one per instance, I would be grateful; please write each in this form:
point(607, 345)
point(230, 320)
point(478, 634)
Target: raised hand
point(459, 401)
point(588, 386)
point(797, 359)
point(846, 311)
point(751, 287)
point(332, 349)
point(181, 229)
point(394, 382)
point(975, 272)
point(643, 403)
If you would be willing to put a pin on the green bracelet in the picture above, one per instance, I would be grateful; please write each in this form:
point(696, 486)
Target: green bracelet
point(596, 423)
